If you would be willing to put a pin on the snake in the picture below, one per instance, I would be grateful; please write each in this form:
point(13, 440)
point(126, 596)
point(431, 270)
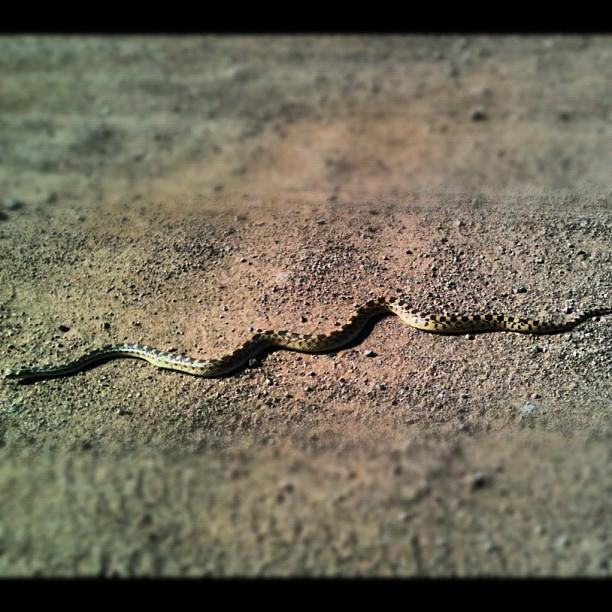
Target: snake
point(305, 343)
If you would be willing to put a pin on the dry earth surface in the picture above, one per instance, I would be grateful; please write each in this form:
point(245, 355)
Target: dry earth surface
point(184, 191)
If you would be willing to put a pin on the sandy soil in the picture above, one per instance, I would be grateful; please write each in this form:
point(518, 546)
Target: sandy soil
point(181, 192)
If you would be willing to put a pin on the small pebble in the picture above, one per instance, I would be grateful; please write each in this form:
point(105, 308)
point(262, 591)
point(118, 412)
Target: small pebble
point(478, 481)
point(539, 529)
point(479, 115)
point(286, 487)
point(563, 541)
point(369, 353)
point(63, 328)
point(490, 545)
point(12, 204)
point(320, 221)
point(528, 408)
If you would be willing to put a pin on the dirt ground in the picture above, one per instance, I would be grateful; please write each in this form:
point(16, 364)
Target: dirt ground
point(183, 191)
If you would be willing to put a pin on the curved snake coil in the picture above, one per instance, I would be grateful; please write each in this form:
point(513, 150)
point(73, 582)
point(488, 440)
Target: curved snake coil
point(304, 343)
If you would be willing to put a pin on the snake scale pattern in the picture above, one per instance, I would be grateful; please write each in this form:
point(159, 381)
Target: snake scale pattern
point(304, 343)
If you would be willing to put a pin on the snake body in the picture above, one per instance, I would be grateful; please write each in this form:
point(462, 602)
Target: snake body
point(304, 343)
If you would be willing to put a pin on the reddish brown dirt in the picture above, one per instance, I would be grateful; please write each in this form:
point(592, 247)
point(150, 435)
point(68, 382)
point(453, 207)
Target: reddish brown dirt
point(181, 192)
